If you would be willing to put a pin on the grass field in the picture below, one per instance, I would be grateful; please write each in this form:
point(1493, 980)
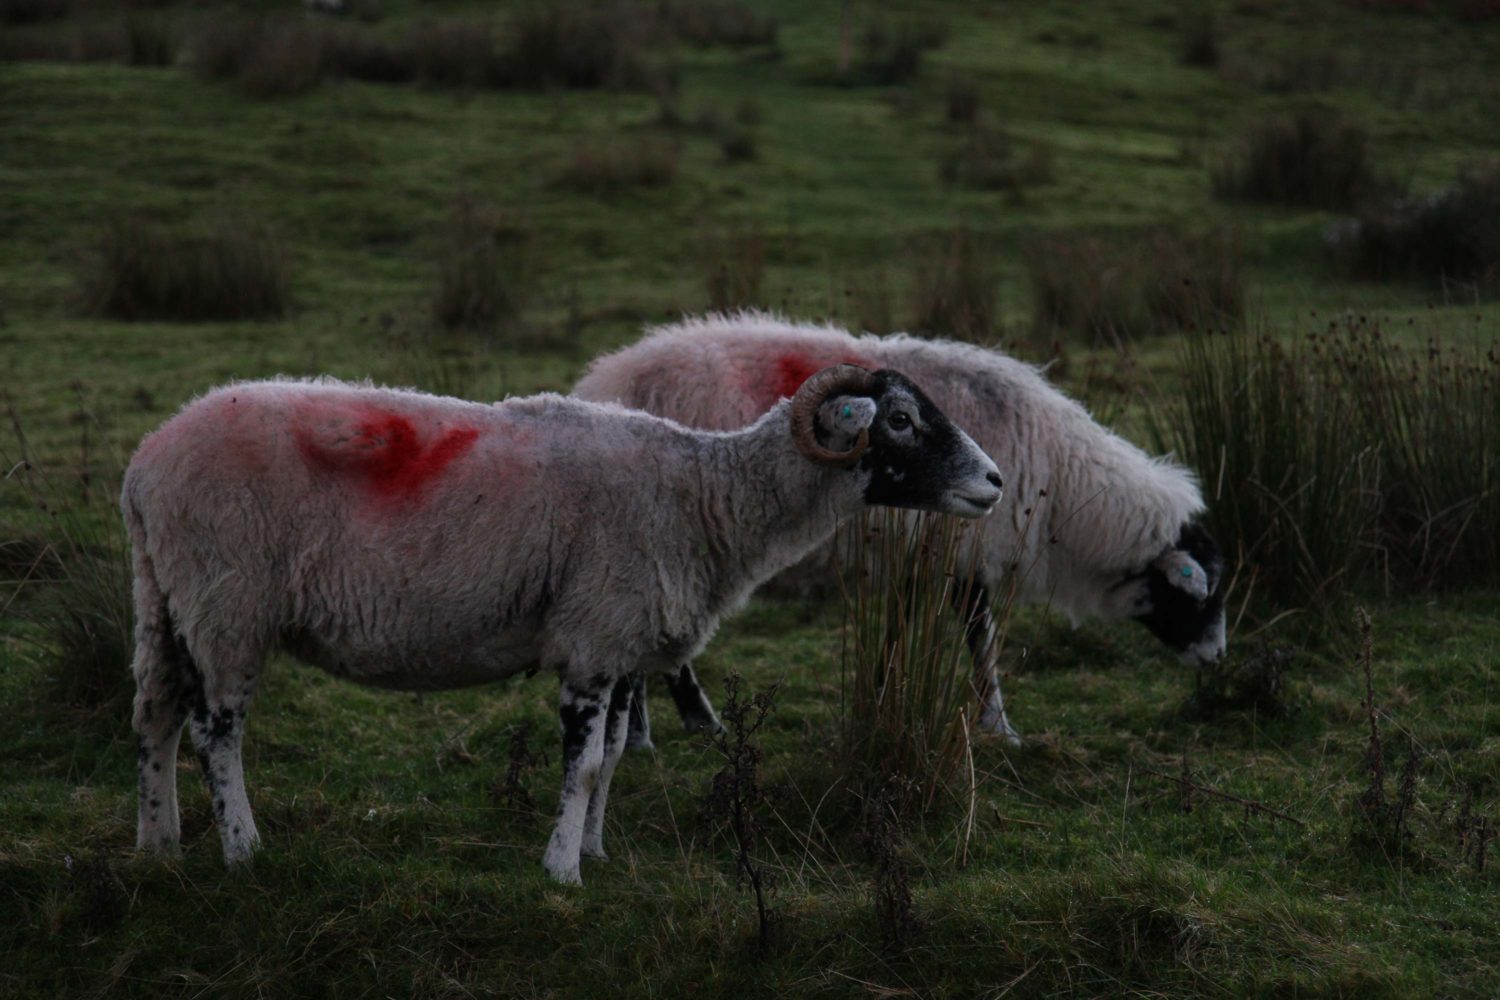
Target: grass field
point(1132, 846)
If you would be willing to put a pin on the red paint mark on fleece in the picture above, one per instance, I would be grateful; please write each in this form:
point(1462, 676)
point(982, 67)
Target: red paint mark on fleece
point(386, 454)
point(789, 371)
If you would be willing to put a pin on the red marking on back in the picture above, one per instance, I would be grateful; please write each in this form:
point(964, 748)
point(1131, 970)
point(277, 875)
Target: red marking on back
point(385, 452)
point(789, 371)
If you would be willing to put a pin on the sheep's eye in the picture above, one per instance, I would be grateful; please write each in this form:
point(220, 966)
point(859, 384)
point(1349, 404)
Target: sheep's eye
point(899, 421)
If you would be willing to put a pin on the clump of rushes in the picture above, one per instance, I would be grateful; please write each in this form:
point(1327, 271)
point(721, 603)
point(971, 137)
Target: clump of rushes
point(955, 281)
point(74, 592)
point(734, 265)
point(1313, 158)
point(483, 268)
point(907, 692)
point(222, 267)
point(1344, 459)
point(1109, 291)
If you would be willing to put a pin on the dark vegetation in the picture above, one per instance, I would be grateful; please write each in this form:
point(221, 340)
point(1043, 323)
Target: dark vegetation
point(1450, 239)
point(216, 267)
point(1313, 157)
point(485, 268)
point(1111, 290)
point(1303, 818)
point(1344, 459)
point(955, 286)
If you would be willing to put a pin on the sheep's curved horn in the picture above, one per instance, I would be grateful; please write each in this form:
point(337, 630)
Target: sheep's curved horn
point(840, 379)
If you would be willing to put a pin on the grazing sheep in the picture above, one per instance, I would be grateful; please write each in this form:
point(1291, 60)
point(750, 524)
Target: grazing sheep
point(1091, 525)
point(418, 542)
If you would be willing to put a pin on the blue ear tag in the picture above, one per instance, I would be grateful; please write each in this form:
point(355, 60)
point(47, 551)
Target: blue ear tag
point(1187, 571)
point(848, 410)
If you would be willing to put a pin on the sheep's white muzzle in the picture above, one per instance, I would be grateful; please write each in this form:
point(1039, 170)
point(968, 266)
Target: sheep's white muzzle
point(1209, 649)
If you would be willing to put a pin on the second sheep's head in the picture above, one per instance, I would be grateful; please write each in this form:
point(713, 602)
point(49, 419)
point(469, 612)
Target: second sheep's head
point(882, 425)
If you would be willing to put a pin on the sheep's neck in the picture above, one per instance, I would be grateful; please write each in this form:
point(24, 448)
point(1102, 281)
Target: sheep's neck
point(765, 506)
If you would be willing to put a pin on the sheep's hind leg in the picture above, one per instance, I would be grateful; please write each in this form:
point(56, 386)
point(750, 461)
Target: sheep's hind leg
point(620, 700)
point(166, 683)
point(218, 730)
point(639, 732)
point(692, 704)
point(973, 603)
point(582, 711)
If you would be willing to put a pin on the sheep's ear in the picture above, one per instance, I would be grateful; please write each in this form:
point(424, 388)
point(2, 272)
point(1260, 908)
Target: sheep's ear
point(841, 419)
point(1183, 572)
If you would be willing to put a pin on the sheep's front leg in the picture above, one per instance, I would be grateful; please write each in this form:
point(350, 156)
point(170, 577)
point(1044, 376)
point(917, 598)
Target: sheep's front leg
point(620, 700)
point(582, 711)
point(692, 704)
point(979, 631)
point(639, 730)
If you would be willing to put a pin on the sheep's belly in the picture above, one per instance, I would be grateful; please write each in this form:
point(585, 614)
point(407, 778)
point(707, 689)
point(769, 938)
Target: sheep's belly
point(425, 668)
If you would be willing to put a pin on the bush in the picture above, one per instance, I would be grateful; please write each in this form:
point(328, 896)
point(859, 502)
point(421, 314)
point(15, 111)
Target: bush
point(33, 11)
point(215, 269)
point(954, 287)
point(1452, 237)
point(286, 59)
point(989, 160)
point(895, 57)
point(734, 264)
point(1343, 460)
point(717, 23)
point(963, 100)
point(580, 47)
point(456, 54)
point(1312, 158)
point(483, 268)
point(76, 579)
point(1199, 45)
point(609, 166)
point(1112, 291)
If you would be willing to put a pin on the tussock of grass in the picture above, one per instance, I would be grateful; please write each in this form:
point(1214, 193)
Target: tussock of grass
point(216, 268)
point(483, 268)
point(955, 286)
point(608, 166)
point(1313, 158)
point(1450, 239)
point(1114, 290)
point(734, 265)
point(907, 698)
point(1344, 460)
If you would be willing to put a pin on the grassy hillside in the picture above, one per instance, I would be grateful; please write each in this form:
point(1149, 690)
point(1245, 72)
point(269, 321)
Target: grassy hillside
point(1114, 853)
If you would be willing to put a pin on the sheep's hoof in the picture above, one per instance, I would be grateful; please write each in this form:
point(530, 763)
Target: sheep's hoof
point(594, 850)
point(565, 875)
point(637, 742)
point(1001, 727)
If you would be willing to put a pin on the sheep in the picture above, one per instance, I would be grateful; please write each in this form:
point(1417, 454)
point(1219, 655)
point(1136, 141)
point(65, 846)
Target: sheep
point(419, 542)
point(1092, 526)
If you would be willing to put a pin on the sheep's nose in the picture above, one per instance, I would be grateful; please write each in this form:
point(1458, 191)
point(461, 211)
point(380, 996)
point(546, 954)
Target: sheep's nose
point(994, 479)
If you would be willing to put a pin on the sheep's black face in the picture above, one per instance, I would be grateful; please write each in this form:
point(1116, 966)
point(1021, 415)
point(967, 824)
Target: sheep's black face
point(918, 458)
point(1187, 604)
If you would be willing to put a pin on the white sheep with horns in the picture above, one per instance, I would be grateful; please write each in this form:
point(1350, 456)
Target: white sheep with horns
point(419, 542)
point(1091, 525)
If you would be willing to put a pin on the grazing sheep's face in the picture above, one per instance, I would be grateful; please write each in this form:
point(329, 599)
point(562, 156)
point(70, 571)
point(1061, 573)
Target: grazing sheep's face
point(918, 458)
point(1186, 602)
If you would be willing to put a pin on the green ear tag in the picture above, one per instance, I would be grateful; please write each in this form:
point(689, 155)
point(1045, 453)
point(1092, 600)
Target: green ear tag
point(848, 410)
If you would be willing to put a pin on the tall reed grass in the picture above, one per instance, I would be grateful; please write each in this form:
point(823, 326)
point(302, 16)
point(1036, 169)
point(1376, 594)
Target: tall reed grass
point(1345, 459)
point(907, 688)
point(72, 591)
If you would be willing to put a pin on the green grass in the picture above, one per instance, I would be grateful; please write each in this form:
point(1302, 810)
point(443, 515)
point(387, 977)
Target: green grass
point(390, 868)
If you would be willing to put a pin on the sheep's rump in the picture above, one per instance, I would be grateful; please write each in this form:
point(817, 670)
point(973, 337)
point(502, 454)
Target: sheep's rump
point(358, 527)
